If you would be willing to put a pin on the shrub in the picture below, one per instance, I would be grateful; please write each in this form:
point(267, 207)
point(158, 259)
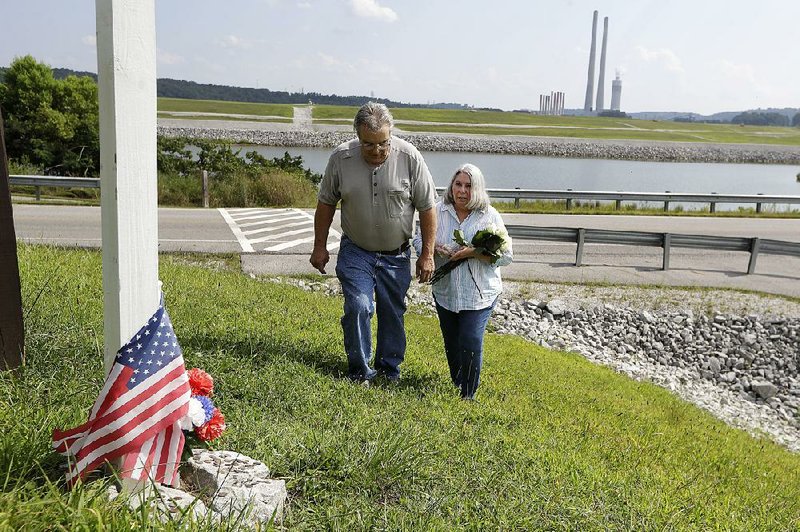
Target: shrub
point(279, 188)
point(274, 188)
point(180, 190)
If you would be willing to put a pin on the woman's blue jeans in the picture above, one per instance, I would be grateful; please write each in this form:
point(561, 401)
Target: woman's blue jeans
point(463, 344)
point(373, 281)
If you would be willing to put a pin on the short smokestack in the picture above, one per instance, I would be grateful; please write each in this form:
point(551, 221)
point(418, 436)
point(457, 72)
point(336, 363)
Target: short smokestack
point(587, 104)
point(602, 81)
point(616, 93)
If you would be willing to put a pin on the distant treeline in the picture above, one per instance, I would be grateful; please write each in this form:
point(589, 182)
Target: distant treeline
point(175, 88)
point(752, 118)
point(190, 90)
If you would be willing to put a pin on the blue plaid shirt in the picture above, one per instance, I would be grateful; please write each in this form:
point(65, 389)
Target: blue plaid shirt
point(474, 284)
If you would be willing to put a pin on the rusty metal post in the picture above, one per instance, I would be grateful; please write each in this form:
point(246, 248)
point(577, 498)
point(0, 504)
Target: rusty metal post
point(12, 330)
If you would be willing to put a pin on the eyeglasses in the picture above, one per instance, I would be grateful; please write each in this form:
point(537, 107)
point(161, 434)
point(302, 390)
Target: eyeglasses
point(379, 145)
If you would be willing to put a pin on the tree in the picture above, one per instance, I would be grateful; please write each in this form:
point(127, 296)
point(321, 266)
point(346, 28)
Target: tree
point(51, 123)
point(796, 120)
point(753, 118)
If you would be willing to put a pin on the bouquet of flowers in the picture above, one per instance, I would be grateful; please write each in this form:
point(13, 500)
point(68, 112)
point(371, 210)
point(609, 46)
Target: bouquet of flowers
point(492, 242)
point(204, 422)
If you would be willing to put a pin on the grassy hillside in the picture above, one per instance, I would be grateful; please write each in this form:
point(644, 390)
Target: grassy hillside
point(217, 106)
point(508, 123)
point(554, 442)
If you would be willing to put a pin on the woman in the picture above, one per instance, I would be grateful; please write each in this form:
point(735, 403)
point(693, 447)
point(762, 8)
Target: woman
point(466, 296)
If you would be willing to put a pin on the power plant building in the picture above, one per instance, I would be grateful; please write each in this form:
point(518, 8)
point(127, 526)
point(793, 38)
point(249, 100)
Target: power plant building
point(616, 93)
point(552, 104)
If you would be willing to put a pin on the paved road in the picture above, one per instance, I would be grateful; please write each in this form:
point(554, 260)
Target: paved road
point(279, 241)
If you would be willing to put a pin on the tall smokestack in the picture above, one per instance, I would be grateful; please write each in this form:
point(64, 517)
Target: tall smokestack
point(587, 104)
point(602, 81)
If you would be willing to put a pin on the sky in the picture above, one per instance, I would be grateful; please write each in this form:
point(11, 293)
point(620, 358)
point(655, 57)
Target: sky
point(700, 56)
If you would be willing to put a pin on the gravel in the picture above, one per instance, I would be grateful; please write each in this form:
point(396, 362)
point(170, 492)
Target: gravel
point(508, 144)
point(733, 354)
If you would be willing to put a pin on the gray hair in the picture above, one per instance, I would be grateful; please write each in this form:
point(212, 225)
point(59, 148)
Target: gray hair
point(374, 116)
point(479, 198)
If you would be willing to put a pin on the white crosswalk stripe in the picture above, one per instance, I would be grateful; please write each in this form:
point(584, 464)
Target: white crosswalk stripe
point(274, 229)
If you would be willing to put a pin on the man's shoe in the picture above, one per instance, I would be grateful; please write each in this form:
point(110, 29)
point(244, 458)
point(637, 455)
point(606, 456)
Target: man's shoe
point(360, 380)
point(393, 380)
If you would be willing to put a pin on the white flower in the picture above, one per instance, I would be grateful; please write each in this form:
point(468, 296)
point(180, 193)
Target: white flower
point(506, 240)
point(195, 417)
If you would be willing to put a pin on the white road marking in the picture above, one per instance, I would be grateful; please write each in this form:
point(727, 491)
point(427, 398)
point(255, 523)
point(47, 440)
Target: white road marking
point(271, 226)
point(290, 244)
point(270, 229)
point(236, 231)
point(262, 216)
point(273, 220)
point(287, 233)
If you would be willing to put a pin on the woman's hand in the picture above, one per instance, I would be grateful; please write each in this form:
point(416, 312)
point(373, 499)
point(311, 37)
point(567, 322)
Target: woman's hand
point(469, 253)
point(442, 250)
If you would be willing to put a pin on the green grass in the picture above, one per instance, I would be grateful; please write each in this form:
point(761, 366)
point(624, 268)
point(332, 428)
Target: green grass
point(554, 443)
point(609, 208)
point(470, 122)
point(218, 106)
point(254, 118)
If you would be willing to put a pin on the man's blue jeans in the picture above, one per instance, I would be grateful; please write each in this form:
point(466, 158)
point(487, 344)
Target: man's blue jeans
point(463, 344)
point(363, 274)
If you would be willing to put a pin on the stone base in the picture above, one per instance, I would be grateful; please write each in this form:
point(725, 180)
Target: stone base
point(217, 485)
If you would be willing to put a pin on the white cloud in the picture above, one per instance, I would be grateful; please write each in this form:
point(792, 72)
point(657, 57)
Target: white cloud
point(233, 41)
point(167, 58)
point(663, 56)
point(89, 40)
point(371, 9)
point(329, 62)
point(304, 5)
point(742, 72)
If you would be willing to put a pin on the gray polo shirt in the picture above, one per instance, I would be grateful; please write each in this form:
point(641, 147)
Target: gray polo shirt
point(378, 203)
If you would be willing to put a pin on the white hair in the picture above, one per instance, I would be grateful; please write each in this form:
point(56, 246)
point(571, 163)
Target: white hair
point(479, 198)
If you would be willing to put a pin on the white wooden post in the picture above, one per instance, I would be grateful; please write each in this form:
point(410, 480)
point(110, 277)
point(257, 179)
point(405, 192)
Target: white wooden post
point(126, 67)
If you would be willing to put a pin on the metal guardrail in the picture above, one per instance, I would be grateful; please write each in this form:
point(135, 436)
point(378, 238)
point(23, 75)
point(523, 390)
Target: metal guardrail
point(505, 193)
point(666, 241)
point(618, 197)
point(39, 181)
point(580, 236)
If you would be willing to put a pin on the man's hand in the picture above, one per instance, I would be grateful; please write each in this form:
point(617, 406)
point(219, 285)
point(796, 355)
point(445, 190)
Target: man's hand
point(323, 217)
point(319, 258)
point(424, 268)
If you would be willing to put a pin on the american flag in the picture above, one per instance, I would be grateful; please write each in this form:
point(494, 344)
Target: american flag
point(136, 416)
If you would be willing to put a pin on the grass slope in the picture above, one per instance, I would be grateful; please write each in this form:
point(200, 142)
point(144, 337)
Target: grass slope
point(491, 122)
point(224, 107)
point(554, 442)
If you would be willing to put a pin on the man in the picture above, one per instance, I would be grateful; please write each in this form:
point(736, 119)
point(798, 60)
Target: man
point(380, 180)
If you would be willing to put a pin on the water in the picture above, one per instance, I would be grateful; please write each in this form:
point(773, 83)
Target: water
point(532, 172)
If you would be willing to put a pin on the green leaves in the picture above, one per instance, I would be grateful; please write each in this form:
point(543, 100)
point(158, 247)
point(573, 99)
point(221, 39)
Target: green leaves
point(51, 123)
